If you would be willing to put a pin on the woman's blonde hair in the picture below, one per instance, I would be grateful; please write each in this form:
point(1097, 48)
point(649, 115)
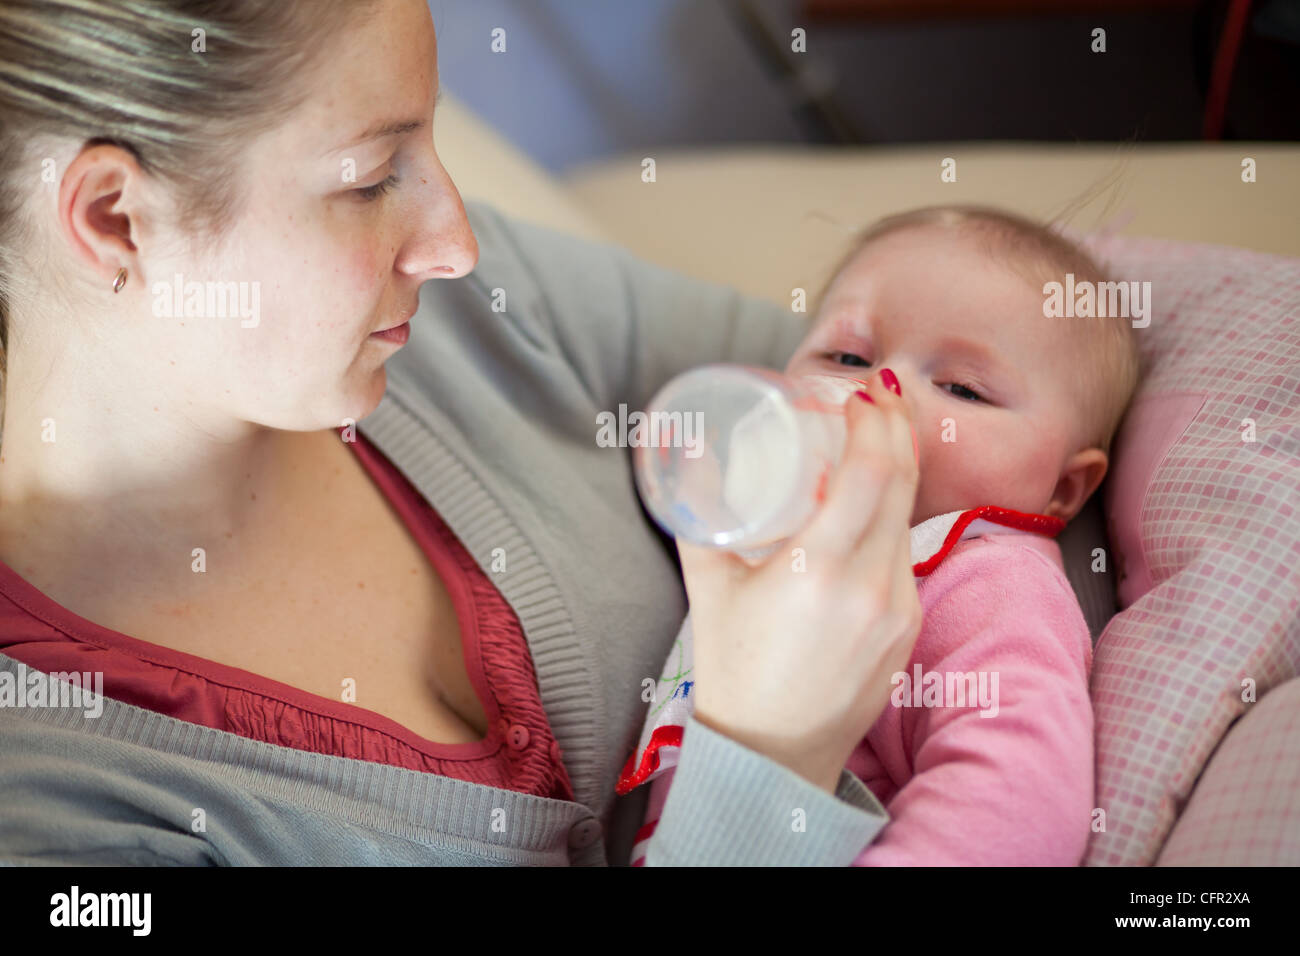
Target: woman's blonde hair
point(180, 84)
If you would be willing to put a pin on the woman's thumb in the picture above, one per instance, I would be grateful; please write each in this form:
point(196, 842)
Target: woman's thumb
point(701, 566)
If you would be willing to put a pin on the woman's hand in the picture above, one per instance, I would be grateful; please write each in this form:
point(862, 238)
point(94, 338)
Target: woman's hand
point(796, 664)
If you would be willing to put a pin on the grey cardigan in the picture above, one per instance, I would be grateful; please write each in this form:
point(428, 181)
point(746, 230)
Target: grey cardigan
point(493, 416)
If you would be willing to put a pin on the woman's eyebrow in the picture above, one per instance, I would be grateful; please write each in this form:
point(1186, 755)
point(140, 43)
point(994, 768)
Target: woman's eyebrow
point(388, 128)
point(379, 130)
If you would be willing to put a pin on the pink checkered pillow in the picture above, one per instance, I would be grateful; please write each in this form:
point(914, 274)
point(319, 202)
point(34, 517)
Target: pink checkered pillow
point(1204, 526)
point(1243, 811)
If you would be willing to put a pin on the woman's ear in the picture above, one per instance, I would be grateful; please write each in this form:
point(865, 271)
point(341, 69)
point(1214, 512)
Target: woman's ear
point(98, 199)
point(1079, 479)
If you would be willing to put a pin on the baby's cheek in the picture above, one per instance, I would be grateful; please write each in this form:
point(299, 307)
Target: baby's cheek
point(971, 470)
point(1020, 472)
point(948, 472)
point(1042, 469)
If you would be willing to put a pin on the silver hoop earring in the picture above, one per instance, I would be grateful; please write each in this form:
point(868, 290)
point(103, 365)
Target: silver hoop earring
point(120, 280)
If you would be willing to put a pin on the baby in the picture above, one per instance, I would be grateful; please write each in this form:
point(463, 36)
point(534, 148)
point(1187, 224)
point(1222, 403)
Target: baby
point(984, 755)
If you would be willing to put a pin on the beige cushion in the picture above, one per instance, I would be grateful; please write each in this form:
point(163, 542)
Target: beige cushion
point(485, 165)
point(767, 220)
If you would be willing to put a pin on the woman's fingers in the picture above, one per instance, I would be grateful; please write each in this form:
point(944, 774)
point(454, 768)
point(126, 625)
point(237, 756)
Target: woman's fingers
point(710, 568)
point(891, 533)
point(865, 477)
point(902, 437)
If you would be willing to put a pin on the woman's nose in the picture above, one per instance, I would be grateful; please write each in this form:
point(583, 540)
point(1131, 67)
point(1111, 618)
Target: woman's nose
point(446, 247)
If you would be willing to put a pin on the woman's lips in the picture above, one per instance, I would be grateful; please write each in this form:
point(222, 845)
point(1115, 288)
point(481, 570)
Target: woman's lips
point(397, 335)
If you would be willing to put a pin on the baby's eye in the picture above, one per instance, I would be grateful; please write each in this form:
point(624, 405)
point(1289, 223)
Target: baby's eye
point(960, 389)
point(848, 358)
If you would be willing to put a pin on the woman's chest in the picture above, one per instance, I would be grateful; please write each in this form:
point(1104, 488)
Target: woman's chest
point(385, 638)
point(346, 606)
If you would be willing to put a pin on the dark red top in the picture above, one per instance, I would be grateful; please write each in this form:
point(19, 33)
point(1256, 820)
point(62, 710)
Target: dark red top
point(520, 752)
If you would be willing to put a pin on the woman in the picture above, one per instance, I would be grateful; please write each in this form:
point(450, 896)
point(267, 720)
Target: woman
point(425, 642)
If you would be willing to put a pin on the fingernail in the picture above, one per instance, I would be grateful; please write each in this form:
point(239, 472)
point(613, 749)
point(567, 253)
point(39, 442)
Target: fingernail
point(865, 397)
point(891, 381)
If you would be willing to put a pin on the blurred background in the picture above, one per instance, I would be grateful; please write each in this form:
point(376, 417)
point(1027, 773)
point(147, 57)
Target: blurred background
point(583, 80)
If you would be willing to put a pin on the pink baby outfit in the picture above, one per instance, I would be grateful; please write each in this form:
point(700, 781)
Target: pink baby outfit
point(984, 755)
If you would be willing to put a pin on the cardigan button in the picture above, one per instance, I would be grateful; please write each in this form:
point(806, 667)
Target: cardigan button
point(518, 737)
point(556, 756)
point(584, 834)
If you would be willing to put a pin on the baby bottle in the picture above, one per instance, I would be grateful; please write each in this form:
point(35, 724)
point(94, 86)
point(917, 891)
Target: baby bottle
point(738, 457)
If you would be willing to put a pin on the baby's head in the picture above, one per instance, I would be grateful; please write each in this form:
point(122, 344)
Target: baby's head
point(1010, 408)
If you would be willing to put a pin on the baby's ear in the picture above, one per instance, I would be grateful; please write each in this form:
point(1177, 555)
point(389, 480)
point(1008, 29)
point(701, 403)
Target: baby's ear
point(1079, 479)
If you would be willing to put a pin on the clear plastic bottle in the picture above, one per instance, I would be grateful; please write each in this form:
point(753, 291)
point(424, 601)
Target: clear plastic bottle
point(739, 456)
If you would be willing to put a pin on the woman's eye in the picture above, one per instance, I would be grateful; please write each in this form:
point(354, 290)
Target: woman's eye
point(973, 395)
point(848, 358)
point(368, 193)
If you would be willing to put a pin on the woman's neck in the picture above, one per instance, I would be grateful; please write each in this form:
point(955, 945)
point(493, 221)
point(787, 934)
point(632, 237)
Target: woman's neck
point(89, 486)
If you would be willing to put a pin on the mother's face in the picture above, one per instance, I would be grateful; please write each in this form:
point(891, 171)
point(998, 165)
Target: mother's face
point(340, 229)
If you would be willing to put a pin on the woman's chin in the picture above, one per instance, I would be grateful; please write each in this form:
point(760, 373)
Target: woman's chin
point(361, 398)
point(374, 392)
